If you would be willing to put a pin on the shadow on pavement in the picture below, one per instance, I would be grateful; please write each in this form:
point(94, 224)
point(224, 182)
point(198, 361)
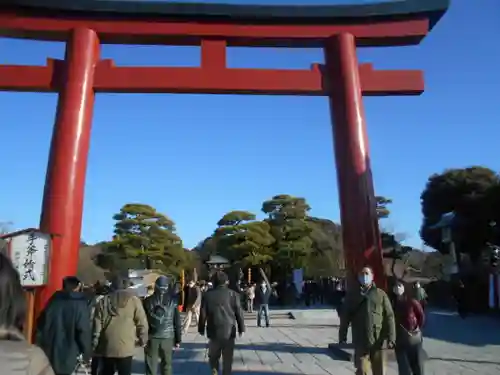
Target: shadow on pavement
point(193, 367)
point(464, 360)
point(304, 325)
point(180, 368)
point(474, 330)
point(281, 348)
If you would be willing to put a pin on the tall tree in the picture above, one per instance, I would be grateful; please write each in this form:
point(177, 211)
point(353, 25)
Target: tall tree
point(327, 254)
point(287, 217)
point(143, 233)
point(243, 240)
point(467, 192)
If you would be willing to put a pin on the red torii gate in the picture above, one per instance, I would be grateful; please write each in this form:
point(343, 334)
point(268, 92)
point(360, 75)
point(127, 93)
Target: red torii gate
point(85, 24)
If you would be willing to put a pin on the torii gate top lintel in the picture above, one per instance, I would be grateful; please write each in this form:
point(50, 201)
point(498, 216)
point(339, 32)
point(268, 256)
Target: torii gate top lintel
point(163, 22)
point(84, 25)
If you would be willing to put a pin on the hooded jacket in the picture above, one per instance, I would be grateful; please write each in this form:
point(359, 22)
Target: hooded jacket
point(119, 324)
point(64, 331)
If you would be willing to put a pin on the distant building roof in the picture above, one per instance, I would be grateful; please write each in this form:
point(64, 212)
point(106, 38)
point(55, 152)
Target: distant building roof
point(217, 259)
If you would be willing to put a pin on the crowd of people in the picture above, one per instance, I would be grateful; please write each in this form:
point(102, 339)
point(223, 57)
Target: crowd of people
point(104, 332)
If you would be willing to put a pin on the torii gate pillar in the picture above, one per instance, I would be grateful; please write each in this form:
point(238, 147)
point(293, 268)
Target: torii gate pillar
point(62, 206)
point(360, 230)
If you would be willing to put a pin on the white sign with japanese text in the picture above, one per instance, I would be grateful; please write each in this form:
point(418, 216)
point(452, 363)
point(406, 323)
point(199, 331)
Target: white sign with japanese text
point(30, 252)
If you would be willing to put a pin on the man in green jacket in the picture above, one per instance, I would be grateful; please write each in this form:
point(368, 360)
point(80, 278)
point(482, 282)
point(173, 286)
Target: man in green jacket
point(368, 310)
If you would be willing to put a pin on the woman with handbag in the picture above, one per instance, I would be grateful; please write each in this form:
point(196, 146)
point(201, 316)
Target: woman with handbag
point(410, 318)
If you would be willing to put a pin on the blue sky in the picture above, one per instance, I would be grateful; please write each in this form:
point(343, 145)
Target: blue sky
point(195, 157)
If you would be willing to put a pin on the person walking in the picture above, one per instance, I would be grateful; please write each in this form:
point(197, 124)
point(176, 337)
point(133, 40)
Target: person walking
point(100, 291)
point(410, 319)
point(17, 356)
point(221, 316)
point(250, 292)
point(119, 324)
point(192, 305)
point(164, 327)
point(63, 329)
point(262, 295)
point(368, 310)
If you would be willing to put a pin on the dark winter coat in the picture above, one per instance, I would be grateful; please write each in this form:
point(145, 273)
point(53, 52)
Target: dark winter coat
point(64, 330)
point(221, 313)
point(163, 317)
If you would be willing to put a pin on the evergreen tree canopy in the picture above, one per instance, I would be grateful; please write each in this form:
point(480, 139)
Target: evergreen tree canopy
point(383, 211)
point(327, 255)
point(145, 234)
point(287, 219)
point(241, 239)
point(471, 194)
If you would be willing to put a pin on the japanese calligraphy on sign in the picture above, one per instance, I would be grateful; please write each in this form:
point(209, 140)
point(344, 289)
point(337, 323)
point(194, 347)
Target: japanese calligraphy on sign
point(29, 252)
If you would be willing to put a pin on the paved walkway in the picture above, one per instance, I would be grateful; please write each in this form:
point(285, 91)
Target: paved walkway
point(299, 346)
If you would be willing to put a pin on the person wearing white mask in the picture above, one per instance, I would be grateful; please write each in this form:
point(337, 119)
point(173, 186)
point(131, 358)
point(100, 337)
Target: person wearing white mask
point(410, 318)
point(368, 310)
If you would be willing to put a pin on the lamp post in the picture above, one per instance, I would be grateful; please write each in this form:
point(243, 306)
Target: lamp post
point(445, 224)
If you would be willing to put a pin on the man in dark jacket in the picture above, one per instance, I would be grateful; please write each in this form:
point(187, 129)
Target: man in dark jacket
point(164, 327)
point(222, 314)
point(262, 295)
point(63, 328)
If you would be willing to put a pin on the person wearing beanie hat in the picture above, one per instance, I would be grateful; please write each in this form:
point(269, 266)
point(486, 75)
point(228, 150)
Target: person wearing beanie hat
point(164, 324)
point(221, 314)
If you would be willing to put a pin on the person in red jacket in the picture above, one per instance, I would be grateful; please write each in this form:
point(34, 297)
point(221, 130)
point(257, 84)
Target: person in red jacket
point(410, 319)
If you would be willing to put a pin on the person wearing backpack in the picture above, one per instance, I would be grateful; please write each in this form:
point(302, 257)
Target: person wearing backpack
point(165, 328)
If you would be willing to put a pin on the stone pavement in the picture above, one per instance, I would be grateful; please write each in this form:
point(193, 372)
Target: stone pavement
point(454, 346)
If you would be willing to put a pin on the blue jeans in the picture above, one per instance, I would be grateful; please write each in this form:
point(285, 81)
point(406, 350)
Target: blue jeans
point(263, 310)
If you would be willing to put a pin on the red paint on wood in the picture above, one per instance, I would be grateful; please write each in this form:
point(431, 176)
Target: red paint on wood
point(82, 73)
point(360, 231)
point(383, 33)
point(65, 181)
point(211, 78)
point(213, 54)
